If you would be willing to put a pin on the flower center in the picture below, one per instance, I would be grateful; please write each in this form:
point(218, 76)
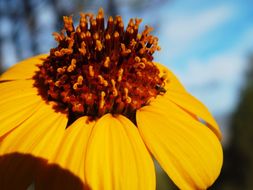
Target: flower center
point(96, 70)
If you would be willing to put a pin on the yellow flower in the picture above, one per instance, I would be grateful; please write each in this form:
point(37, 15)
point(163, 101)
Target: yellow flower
point(99, 107)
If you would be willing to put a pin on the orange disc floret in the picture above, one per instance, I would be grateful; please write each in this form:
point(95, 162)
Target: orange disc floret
point(95, 70)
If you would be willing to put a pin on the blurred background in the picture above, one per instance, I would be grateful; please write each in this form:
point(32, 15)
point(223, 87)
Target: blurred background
point(207, 44)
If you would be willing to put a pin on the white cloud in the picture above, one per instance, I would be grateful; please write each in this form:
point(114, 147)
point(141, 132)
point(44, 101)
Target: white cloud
point(182, 31)
point(223, 68)
point(217, 80)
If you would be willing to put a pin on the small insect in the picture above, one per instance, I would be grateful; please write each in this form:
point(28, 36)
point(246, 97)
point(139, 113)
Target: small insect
point(160, 88)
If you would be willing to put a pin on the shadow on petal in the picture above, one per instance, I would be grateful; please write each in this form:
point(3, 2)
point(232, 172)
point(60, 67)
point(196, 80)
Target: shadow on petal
point(19, 171)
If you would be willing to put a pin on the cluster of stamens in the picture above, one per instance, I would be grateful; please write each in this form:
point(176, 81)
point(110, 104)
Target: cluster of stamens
point(96, 70)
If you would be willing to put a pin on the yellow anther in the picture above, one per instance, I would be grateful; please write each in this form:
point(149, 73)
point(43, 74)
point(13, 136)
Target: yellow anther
point(138, 36)
point(116, 34)
point(137, 59)
point(126, 91)
point(68, 23)
point(120, 74)
point(114, 90)
point(102, 100)
point(71, 43)
point(133, 43)
point(149, 63)
point(61, 70)
point(101, 79)
point(144, 60)
point(118, 18)
point(80, 80)
point(105, 83)
point(58, 54)
point(75, 86)
point(72, 65)
point(71, 68)
point(137, 21)
point(110, 19)
point(58, 37)
point(83, 17)
point(66, 51)
point(124, 50)
point(78, 107)
point(141, 65)
point(89, 98)
point(139, 73)
point(57, 83)
point(107, 36)
point(95, 36)
point(100, 13)
point(107, 62)
point(94, 23)
point(82, 50)
point(127, 98)
point(113, 83)
point(91, 71)
point(73, 62)
point(82, 35)
point(99, 45)
point(78, 30)
point(142, 51)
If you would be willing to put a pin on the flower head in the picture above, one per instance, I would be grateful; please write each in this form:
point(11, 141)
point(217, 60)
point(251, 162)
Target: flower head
point(100, 108)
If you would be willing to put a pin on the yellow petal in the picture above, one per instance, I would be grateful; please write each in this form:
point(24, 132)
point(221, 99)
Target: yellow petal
point(13, 89)
point(72, 150)
point(171, 81)
point(117, 158)
point(24, 69)
point(39, 135)
point(187, 150)
point(18, 101)
point(195, 107)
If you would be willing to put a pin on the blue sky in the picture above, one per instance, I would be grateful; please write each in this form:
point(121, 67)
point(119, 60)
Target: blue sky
point(206, 44)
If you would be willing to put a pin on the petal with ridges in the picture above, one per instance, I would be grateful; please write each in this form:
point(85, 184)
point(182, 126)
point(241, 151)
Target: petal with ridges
point(72, 150)
point(18, 101)
point(188, 151)
point(171, 81)
point(117, 158)
point(14, 89)
point(39, 135)
point(24, 69)
point(195, 107)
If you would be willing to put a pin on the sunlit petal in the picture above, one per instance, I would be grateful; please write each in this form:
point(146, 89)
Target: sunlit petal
point(24, 69)
point(39, 135)
point(18, 101)
point(188, 151)
point(195, 107)
point(72, 150)
point(117, 158)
